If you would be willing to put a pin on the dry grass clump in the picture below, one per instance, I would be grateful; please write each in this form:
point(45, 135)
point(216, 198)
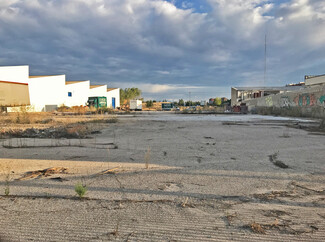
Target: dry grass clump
point(6, 174)
point(20, 124)
point(26, 124)
point(147, 158)
point(81, 110)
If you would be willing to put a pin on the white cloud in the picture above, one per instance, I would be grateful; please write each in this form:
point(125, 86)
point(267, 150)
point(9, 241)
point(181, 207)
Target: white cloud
point(163, 72)
point(143, 41)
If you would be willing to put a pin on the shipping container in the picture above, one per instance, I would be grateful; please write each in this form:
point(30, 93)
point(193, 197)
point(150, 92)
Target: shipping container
point(136, 105)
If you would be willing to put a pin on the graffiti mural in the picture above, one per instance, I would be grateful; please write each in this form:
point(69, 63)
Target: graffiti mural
point(305, 100)
point(285, 102)
point(322, 101)
point(269, 101)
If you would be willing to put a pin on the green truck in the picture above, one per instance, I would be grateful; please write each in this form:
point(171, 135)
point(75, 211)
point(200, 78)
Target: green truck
point(97, 102)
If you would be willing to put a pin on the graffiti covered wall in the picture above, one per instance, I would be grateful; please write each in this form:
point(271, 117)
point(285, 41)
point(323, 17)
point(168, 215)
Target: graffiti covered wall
point(310, 101)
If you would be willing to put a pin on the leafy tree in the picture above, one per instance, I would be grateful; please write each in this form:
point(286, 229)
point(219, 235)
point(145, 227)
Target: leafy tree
point(189, 103)
point(217, 101)
point(129, 93)
point(181, 102)
point(149, 103)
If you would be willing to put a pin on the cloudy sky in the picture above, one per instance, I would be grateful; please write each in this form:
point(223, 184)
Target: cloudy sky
point(169, 49)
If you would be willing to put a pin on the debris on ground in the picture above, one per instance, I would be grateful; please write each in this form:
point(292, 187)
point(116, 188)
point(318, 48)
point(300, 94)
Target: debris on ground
point(183, 204)
point(274, 195)
point(60, 179)
point(285, 228)
point(186, 204)
point(274, 159)
point(257, 228)
point(44, 173)
point(109, 171)
point(230, 218)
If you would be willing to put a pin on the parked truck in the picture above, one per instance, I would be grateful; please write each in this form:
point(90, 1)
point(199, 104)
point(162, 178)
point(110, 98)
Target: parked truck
point(167, 106)
point(136, 105)
point(97, 102)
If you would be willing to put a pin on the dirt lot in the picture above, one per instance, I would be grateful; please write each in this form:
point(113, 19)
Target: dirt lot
point(172, 178)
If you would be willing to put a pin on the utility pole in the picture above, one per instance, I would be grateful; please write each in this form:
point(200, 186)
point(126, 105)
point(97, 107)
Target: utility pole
point(189, 98)
point(264, 63)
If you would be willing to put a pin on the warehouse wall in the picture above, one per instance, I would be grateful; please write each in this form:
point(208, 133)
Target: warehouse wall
point(308, 102)
point(113, 94)
point(13, 94)
point(47, 93)
point(14, 73)
point(79, 94)
point(99, 91)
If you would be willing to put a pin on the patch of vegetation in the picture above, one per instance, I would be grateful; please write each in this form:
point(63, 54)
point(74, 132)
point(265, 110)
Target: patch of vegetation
point(80, 189)
point(147, 158)
point(128, 94)
point(149, 103)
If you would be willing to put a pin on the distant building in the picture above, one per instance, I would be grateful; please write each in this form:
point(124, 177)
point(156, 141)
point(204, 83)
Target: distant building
point(241, 94)
point(314, 80)
point(113, 97)
point(296, 84)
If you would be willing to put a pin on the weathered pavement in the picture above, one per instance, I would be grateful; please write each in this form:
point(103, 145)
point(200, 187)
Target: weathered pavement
point(221, 185)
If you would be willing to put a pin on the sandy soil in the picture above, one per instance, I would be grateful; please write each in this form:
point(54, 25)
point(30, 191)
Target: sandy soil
point(209, 178)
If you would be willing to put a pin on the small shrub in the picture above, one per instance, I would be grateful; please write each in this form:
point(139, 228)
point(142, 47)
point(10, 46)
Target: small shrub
point(105, 110)
point(80, 189)
point(7, 189)
point(63, 108)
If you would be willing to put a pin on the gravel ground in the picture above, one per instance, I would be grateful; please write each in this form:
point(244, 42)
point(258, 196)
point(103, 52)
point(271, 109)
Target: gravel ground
point(209, 178)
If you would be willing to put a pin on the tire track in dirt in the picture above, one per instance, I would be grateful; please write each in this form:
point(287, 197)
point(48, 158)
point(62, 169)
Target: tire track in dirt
point(86, 221)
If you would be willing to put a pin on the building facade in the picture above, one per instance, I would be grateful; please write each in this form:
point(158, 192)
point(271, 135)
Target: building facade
point(47, 93)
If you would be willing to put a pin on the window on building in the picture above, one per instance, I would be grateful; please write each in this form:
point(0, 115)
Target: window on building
point(69, 94)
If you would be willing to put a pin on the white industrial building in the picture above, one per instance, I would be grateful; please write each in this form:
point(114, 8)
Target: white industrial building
point(47, 93)
point(97, 90)
point(14, 73)
point(113, 97)
point(77, 93)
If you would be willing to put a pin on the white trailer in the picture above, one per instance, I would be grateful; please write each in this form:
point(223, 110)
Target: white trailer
point(136, 105)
